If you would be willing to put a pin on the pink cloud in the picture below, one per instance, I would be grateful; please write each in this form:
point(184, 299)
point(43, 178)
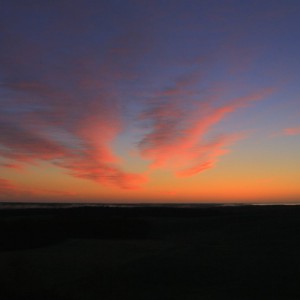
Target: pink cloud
point(69, 109)
point(69, 112)
point(91, 165)
point(208, 155)
point(292, 131)
point(93, 160)
point(178, 139)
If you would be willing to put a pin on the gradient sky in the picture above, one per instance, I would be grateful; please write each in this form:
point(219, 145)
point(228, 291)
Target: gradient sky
point(150, 101)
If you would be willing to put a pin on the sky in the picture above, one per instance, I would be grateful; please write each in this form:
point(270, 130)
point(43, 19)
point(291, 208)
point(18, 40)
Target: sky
point(135, 101)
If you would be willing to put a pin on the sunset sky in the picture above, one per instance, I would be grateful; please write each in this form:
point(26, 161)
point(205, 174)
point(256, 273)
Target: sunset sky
point(150, 101)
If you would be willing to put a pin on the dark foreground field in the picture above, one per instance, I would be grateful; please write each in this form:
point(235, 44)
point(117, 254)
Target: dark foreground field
point(150, 253)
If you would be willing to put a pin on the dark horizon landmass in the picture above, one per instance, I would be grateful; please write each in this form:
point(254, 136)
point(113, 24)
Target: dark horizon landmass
point(150, 252)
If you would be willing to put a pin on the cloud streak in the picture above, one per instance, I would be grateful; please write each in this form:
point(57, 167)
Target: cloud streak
point(9, 190)
point(179, 139)
point(68, 110)
point(66, 89)
point(6, 187)
point(292, 131)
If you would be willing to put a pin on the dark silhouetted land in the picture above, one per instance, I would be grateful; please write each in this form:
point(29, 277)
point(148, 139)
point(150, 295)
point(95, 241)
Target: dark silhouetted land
point(241, 252)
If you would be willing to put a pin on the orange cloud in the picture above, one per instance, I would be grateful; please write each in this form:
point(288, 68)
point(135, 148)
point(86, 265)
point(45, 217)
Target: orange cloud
point(6, 184)
point(9, 189)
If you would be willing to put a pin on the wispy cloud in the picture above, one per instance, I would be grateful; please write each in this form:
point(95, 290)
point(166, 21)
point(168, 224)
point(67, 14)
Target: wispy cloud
point(292, 131)
point(67, 110)
point(9, 190)
point(178, 138)
point(208, 154)
point(6, 187)
point(65, 90)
